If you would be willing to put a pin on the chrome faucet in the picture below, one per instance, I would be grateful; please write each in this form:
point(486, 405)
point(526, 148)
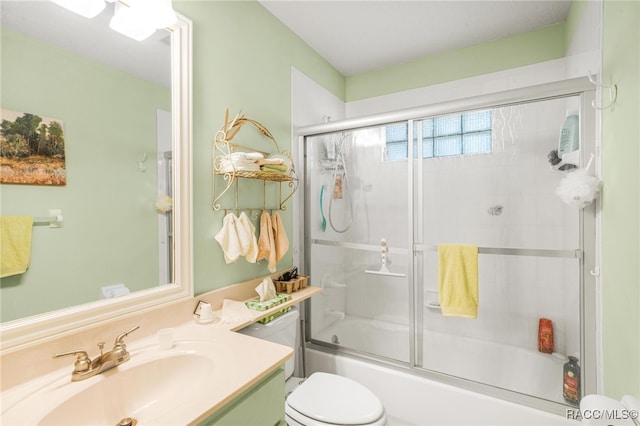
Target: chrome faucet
point(84, 367)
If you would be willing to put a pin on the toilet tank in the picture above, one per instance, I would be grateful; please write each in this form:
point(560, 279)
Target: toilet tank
point(282, 330)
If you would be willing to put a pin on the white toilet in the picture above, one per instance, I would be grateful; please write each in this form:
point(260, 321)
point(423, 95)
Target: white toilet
point(323, 399)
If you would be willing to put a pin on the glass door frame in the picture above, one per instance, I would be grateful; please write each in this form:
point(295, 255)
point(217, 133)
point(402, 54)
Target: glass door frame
point(589, 237)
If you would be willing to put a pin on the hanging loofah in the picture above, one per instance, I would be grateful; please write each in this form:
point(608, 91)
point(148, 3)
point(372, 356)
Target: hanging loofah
point(579, 188)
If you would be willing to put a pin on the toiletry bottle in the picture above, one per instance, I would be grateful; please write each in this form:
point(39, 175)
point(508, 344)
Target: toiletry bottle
point(571, 381)
point(569, 134)
point(545, 335)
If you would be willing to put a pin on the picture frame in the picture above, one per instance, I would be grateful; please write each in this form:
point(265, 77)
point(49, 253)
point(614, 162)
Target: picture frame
point(32, 149)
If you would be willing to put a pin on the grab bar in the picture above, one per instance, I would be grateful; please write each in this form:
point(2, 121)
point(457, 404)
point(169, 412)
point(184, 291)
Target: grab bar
point(54, 220)
point(575, 254)
point(358, 246)
point(571, 254)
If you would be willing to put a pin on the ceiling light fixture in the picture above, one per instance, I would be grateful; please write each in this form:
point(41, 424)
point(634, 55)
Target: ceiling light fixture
point(137, 19)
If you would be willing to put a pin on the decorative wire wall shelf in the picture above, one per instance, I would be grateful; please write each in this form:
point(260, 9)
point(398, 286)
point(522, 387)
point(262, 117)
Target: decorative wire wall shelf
point(223, 148)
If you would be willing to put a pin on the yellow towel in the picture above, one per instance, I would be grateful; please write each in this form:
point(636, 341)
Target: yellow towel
point(458, 280)
point(15, 242)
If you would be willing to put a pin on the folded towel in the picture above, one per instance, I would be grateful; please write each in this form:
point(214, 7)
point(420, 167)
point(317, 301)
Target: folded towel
point(253, 156)
point(266, 243)
point(280, 239)
point(230, 166)
point(247, 236)
point(15, 242)
point(270, 161)
point(458, 280)
point(233, 312)
point(274, 168)
point(229, 239)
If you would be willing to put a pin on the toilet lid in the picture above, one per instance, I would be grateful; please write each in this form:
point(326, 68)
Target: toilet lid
point(335, 399)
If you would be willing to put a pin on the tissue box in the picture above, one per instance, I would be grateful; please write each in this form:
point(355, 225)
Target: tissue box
point(296, 284)
point(267, 304)
point(274, 315)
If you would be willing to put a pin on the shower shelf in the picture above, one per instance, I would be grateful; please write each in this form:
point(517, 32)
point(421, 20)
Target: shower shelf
point(569, 162)
point(223, 148)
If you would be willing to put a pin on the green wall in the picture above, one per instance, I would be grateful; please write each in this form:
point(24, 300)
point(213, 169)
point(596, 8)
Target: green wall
point(621, 200)
point(523, 49)
point(242, 61)
point(110, 227)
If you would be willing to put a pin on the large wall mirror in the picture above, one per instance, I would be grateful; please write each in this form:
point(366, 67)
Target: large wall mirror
point(124, 108)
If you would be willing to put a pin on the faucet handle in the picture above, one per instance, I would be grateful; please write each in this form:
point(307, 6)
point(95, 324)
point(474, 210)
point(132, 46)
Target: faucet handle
point(120, 338)
point(83, 362)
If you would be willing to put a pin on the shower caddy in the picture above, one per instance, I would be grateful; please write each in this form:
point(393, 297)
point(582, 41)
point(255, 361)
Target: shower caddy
point(223, 147)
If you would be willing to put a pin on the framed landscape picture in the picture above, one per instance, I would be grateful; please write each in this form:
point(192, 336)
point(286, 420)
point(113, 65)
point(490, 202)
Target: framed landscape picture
point(32, 149)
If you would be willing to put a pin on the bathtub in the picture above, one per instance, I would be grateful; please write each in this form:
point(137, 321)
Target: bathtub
point(412, 399)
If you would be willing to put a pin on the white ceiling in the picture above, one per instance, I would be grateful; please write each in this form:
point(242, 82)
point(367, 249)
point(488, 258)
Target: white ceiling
point(354, 36)
point(360, 36)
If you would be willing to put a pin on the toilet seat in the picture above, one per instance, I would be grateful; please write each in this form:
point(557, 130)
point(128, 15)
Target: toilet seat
point(331, 399)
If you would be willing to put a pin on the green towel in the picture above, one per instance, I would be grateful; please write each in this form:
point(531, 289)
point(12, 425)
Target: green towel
point(15, 244)
point(274, 168)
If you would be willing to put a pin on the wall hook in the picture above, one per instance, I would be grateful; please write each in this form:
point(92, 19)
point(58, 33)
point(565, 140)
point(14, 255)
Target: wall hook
point(141, 166)
point(613, 94)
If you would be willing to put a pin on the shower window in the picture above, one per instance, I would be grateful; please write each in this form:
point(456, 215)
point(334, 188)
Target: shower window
point(459, 134)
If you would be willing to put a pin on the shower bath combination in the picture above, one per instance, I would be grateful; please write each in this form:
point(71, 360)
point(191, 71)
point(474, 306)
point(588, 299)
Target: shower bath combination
point(496, 196)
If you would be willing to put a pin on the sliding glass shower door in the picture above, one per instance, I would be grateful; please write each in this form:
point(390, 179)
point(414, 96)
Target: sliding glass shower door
point(357, 238)
point(485, 179)
point(380, 201)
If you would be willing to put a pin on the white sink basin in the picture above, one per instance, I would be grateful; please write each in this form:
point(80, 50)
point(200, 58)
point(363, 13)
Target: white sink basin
point(150, 388)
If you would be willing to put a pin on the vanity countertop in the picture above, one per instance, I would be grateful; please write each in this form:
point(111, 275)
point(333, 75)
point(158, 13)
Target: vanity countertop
point(239, 361)
point(241, 370)
point(149, 393)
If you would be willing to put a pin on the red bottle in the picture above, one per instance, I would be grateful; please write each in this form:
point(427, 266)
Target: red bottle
point(545, 335)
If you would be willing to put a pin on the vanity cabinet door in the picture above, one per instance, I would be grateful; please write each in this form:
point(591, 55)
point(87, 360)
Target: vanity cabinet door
point(262, 405)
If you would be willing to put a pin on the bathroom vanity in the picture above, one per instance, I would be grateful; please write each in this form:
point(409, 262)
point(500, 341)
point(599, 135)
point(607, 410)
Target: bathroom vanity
point(209, 375)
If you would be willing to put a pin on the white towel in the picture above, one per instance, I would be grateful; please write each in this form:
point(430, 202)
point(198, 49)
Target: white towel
point(233, 311)
point(253, 156)
point(247, 237)
point(229, 166)
point(228, 239)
